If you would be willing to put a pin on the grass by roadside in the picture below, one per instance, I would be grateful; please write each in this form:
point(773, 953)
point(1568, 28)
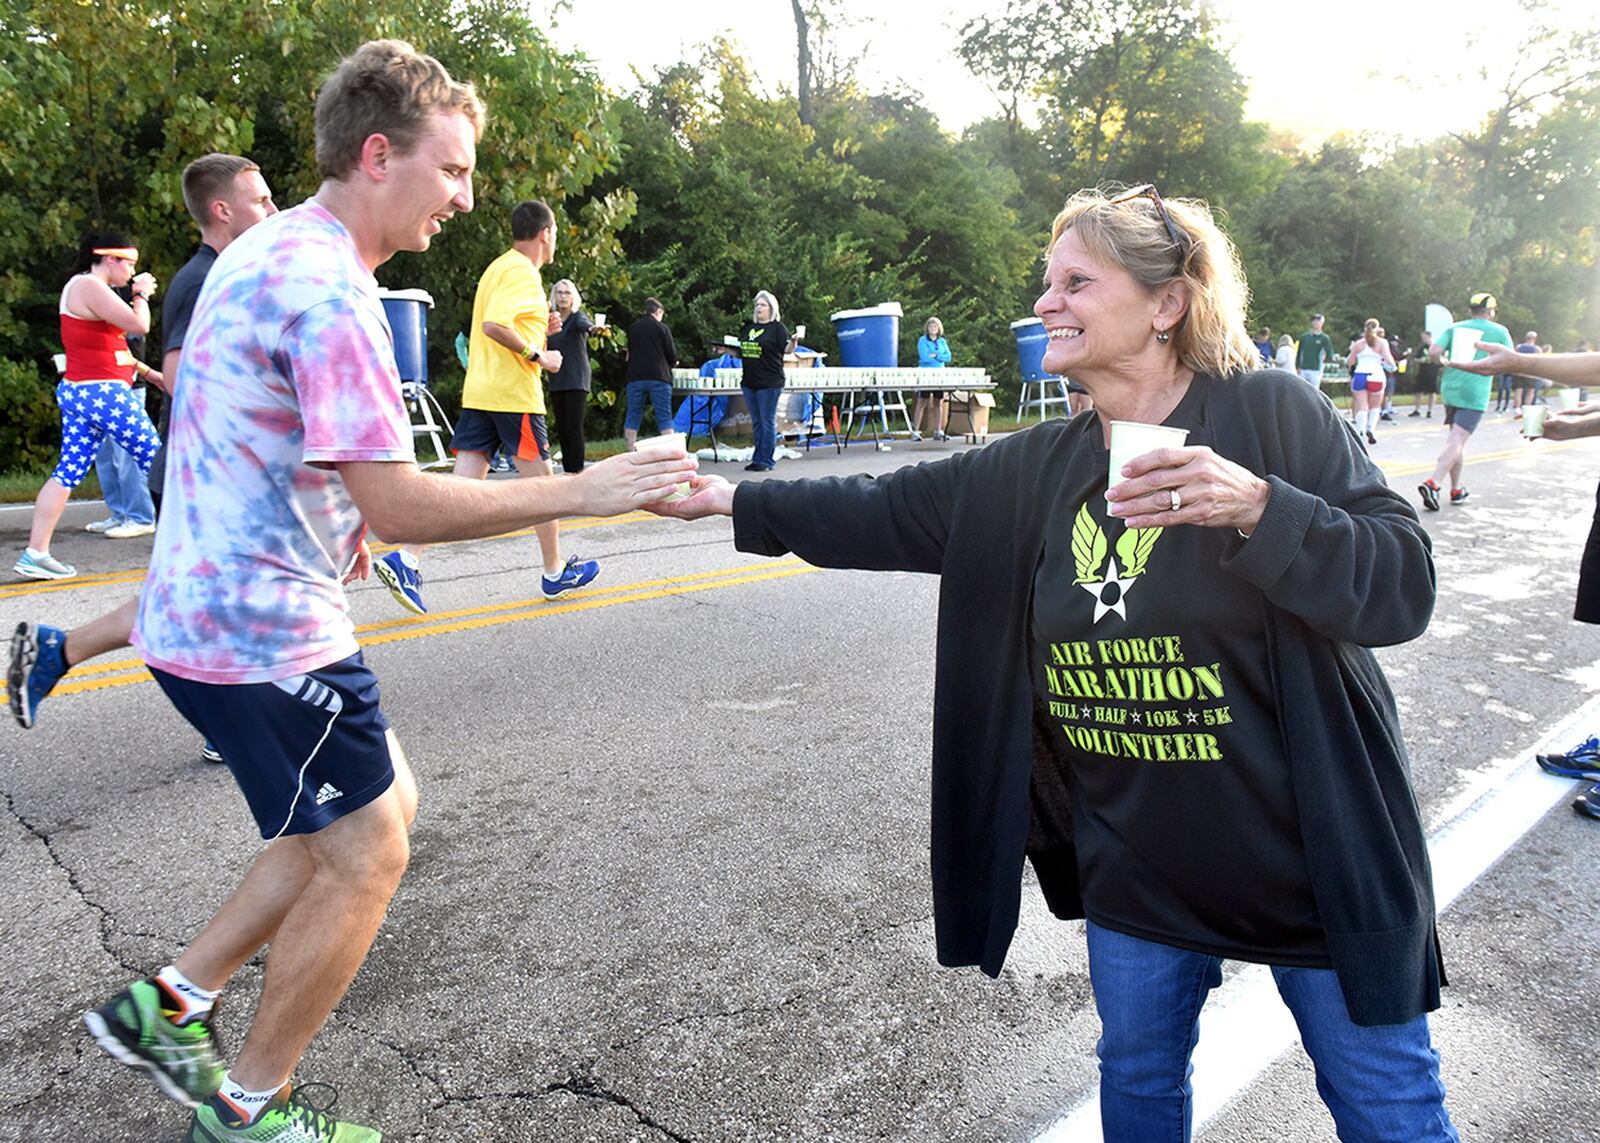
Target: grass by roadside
point(21, 485)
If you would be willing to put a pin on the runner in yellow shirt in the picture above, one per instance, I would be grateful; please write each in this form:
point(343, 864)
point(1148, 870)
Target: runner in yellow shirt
point(502, 403)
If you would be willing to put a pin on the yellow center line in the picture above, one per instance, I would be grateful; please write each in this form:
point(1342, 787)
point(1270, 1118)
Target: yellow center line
point(1416, 467)
point(127, 672)
point(136, 575)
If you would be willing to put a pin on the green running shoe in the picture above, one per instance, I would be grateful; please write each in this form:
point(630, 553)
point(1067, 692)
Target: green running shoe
point(183, 1059)
point(289, 1118)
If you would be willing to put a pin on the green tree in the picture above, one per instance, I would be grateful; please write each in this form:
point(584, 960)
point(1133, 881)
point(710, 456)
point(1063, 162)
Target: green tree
point(88, 138)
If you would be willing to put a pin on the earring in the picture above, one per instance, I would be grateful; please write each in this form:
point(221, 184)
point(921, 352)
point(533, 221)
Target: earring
point(1163, 336)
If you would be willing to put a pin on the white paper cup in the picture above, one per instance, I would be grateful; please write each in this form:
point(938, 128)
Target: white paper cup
point(1570, 399)
point(669, 440)
point(1464, 344)
point(1131, 438)
point(600, 320)
point(799, 331)
point(1533, 420)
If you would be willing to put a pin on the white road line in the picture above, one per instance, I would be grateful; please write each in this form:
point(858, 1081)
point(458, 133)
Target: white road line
point(1245, 1027)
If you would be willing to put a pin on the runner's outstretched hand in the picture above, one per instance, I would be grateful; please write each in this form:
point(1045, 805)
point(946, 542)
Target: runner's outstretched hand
point(634, 480)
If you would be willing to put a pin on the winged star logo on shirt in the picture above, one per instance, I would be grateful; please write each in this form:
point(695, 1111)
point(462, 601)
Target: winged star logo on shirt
point(1089, 552)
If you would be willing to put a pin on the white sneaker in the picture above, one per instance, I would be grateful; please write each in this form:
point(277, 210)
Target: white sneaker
point(42, 565)
point(105, 525)
point(127, 530)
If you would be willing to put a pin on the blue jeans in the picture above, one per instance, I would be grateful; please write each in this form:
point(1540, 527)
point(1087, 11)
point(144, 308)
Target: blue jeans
point(1379, 1083)
point(126, 489)
point(659, 394)
point(763, 405)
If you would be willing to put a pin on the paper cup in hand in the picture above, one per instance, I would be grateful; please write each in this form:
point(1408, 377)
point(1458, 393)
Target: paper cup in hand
point(1130, 439)
point(1464, 344)
point(600, 321)
point(1570, 399)
point(669, 440)
point(1533, 420)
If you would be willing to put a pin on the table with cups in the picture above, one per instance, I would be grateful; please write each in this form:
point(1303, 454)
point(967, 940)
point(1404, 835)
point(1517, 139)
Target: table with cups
point(862, 395)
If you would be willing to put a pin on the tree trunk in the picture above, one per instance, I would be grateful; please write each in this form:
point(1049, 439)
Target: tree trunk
point(802, 31)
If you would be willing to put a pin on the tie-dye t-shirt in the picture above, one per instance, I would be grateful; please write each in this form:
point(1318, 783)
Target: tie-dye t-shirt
point(288, 369)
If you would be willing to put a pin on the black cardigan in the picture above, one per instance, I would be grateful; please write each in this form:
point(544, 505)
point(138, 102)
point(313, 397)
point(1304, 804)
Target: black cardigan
point(1342, 564)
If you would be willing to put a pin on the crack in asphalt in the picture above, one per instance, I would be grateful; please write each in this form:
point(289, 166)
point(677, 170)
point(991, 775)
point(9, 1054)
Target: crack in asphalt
point(581, 1083)
point(107, 923)
point(61, 1074)
point(586, 1086)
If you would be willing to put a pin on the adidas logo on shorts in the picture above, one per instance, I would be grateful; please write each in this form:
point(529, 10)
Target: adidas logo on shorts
point(328, 792)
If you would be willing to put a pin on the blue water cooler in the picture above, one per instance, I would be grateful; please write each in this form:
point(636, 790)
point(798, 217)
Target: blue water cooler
point(407, 312)
point(869, 338)
point(1039, 389)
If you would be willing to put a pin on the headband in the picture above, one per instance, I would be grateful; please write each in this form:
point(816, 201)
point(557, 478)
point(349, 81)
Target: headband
point(131, 253)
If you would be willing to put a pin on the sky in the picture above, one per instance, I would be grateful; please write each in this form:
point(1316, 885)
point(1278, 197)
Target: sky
point(1408, 68)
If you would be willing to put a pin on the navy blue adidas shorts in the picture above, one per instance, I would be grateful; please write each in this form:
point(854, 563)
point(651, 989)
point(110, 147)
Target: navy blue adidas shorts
point(524, 435)
point(305, 750)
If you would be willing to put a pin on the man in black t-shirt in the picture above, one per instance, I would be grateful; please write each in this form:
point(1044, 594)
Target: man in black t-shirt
point(226, 196)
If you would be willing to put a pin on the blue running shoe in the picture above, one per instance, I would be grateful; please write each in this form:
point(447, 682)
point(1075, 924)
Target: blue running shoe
point(403, 581)
point(576, 574)
point(1588, 802)
point(1582, 761)
point(38, 660)
point(42, 565)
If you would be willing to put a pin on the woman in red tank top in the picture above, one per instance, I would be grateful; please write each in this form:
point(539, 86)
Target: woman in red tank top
point(94, 395)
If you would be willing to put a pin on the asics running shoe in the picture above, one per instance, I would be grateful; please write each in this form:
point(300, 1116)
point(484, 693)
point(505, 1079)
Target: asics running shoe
point(182, 1058)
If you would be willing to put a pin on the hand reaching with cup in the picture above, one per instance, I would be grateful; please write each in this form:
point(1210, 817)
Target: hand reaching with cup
point(1188, 485)
point(1570, 424)
point(144, 285)
point(1496, 359)
point(553, 326)
point(708, 496)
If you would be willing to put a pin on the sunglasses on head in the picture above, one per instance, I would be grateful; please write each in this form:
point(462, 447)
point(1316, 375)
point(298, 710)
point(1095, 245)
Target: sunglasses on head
point(1148, 190)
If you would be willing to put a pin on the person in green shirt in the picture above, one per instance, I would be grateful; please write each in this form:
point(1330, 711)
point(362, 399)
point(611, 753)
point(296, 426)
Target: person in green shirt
point(1466, 395)
point(1315, 348)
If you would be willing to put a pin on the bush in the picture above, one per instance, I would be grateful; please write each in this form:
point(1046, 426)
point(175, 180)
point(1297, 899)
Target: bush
point(30, 431)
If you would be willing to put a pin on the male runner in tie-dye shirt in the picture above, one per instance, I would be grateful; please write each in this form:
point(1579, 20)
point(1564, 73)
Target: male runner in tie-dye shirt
point(288, 438)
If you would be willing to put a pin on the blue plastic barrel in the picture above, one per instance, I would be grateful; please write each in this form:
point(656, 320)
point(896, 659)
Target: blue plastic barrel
point(869, 338)
point(407, 311)
point(1031, 341)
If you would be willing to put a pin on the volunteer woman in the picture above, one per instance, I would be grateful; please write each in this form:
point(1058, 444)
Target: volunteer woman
point(933, 352)
point(765, 343)
point(1162, 692)
point(569, 385)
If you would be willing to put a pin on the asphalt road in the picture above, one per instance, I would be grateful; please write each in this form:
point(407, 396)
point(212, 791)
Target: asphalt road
point(670, 874)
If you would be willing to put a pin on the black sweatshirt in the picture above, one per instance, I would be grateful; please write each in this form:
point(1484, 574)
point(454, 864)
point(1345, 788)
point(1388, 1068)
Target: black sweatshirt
point(651, 351)
point(1337, 564)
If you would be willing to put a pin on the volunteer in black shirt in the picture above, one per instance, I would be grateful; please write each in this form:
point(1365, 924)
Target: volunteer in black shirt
point(765, 341)
point(1156, 683)
point(651, 355)
point(569, 385)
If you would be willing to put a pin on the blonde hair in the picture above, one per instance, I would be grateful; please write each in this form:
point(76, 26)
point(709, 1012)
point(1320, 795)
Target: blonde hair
point(386, 87)
point(577, 298)
point(1369, 331)
point(1210, 337)
point(932, 322)
point(764, 296)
